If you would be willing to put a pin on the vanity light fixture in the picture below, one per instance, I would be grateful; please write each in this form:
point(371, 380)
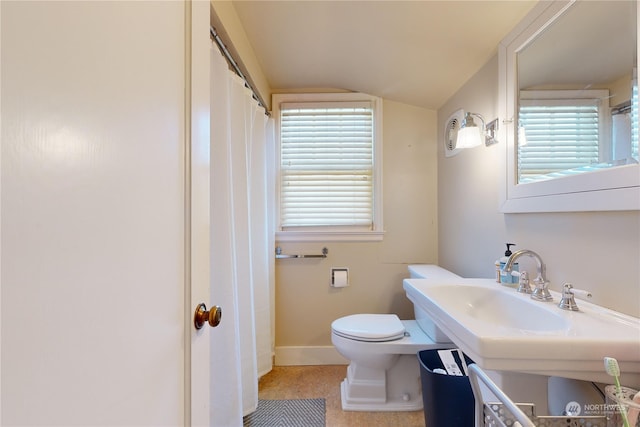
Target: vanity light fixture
point(471, 135)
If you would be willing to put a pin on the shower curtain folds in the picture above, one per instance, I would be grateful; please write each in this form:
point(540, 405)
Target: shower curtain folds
point(240, 265)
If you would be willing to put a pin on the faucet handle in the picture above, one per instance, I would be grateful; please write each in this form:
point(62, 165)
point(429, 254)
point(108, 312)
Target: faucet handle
point(568, 302)
point(541, 292)
point(523, 284)
point(581, 293)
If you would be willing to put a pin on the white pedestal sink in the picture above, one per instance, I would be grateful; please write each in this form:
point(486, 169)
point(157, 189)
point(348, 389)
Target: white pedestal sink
point(502, 330)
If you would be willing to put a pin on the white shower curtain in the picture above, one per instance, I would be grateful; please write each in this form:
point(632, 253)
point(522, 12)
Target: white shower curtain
point(242, 259)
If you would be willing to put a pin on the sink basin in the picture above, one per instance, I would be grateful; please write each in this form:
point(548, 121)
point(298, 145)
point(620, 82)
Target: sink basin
point(491, 305)
point(503, 330)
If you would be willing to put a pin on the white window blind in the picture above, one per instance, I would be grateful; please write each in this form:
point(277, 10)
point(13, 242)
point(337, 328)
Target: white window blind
point(559, 135)
point(326, 164)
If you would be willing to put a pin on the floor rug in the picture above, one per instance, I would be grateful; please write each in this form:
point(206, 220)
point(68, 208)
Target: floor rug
point(287, 413)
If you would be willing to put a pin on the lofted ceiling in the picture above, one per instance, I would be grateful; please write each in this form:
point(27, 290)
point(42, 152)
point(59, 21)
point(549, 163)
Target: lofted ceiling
point(416, 52)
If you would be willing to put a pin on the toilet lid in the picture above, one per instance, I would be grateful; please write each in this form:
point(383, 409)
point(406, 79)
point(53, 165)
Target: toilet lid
point(369, 327)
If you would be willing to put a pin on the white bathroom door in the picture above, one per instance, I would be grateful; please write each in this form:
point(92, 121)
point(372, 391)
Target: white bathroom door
point(95, 217)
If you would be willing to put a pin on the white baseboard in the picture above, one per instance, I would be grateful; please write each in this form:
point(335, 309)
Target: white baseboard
point(317, 355)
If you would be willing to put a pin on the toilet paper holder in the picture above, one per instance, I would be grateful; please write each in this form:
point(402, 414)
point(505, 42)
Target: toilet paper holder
point(339, 277)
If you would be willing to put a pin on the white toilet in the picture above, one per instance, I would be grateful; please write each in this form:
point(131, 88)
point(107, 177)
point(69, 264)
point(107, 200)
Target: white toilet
point(384, 372)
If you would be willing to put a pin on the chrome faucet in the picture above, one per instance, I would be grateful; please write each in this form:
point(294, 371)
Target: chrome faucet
point(541, 292)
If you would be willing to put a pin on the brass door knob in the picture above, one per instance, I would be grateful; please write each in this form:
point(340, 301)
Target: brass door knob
point(202, 316)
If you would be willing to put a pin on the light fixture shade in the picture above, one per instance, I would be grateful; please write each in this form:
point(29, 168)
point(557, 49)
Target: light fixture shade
point(469, 137)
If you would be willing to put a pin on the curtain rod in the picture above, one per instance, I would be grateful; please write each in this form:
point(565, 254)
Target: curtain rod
point(236, 68)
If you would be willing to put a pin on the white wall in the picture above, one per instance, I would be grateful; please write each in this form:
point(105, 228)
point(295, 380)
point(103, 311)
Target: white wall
point(598, 251)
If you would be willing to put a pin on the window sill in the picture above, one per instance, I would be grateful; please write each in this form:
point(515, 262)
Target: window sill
point(329, 236)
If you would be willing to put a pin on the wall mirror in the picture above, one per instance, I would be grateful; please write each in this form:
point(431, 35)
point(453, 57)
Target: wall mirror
point(568, 92)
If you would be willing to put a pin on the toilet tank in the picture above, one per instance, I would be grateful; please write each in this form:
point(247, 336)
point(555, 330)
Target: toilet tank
point(429, 271)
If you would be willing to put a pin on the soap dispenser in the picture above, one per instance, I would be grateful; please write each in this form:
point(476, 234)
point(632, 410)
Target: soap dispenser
point(506, 278)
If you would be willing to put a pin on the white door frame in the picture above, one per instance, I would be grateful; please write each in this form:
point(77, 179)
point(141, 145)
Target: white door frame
point(197, 284)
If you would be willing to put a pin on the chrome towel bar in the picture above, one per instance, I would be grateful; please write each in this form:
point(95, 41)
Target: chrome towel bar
point(280, 255)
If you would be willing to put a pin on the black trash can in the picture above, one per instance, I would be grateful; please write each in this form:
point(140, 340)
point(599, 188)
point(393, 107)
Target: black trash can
point(448, 399)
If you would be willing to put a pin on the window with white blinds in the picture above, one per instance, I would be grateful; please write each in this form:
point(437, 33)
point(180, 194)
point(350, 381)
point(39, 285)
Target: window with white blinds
point(327, 164)
point(559, 135)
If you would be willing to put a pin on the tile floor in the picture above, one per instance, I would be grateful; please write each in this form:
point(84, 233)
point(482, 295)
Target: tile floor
point(312, 382)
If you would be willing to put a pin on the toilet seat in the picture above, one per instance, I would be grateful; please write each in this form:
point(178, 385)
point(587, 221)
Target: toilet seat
point(369, 327)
